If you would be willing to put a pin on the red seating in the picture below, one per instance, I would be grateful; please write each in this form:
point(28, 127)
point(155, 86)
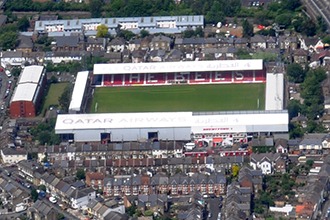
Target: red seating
point(221, 77)
point(260, 76)
point(155, 78)
point(243, 76)
point(133, 79)
point(191, 78)
point(199, 77)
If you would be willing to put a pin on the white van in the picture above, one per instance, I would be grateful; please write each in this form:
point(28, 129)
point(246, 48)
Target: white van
point(189, 146)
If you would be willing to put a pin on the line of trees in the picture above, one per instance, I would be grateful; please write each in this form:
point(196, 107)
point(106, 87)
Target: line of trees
point(311, 92)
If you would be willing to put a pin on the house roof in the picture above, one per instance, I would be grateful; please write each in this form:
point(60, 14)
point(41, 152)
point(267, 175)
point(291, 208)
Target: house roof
point(257, 39)
point(115, 216)
point(14, 151)
point(25, 42)
point(161, 38)
point(265, 156)
point(67, 41)
point(282, 142)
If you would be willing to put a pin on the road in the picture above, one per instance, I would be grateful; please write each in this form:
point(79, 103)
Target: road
point(54, 206)
point(213, 207)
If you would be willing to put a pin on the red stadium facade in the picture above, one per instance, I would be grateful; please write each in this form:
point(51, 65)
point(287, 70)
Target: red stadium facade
point(169, 73)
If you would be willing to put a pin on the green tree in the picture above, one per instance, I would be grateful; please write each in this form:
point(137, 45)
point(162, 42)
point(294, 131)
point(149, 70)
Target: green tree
point(243, 54)
point(95, 7)
point(235, 170)
point(9, 40)
point(42, 188)
point(53, 79)
point(16, 71)
point(321, 25)
point(126, 34)
point(102, 31)
point(247, 29)
point(65, 98)
point(310, 163)
point(34, 195)
point(294, 108)
point(144, 33)
point(297, 24)
point(60, 216)
point(199, 32)
point(80, 175)
point(44, 137)
point(131, 210)
point(295, 130)
point(326, 39)
point(312, 93)
point(188, 33)
point(295, 73)
point(291, 4)
point(215, 14)
point(309, 28)
point(23, 24)
point(284, 19)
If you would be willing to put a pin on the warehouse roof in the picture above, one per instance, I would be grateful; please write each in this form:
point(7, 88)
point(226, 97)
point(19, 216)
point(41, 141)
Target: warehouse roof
point(31, 74)
point(78, 91)
point(200, 122)
point(170, 67)
point(24, 92)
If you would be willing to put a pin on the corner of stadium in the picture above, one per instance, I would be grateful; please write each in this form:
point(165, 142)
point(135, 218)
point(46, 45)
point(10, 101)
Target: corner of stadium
point(183, 124)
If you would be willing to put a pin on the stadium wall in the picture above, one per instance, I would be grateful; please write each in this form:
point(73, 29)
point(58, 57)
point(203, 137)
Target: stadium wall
point(188, 72)
point(179, 126)
point(134, 134)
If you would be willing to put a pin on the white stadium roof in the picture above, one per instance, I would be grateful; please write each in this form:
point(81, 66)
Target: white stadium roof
point(226, 122)
point(274, 91)
point(186, 66)
point(78, 91)
point(31, 74)
point(24, 92)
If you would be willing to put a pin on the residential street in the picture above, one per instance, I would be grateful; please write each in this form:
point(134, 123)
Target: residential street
point(56, 207)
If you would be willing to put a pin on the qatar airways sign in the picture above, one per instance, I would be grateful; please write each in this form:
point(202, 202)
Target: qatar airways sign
point(171, 67)
point(123, 120)
point(91, 121)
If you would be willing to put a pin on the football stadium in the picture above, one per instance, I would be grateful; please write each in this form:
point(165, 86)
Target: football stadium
point(177, 101)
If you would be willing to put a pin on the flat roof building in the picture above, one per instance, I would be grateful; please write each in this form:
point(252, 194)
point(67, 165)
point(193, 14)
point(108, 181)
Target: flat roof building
point(162, 24)
point(78, 93)
point(167, 125)
point(27, 94)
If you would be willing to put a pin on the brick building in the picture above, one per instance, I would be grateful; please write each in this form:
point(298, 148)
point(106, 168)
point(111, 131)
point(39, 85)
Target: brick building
point(27, 94)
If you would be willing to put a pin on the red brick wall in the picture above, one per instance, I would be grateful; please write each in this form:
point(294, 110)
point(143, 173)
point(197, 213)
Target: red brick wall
point(22, 109)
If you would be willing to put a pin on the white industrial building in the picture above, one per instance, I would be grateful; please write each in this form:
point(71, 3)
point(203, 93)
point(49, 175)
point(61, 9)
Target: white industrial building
point(77, 98)
point(156, 24)
point(183, 126)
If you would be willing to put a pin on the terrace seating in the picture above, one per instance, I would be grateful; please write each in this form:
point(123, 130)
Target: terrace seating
point(260, 76)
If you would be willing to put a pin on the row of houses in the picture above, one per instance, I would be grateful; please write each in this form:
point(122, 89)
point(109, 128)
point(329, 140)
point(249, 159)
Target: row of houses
point(240, 194)
point(153, 48)
point(13, 199)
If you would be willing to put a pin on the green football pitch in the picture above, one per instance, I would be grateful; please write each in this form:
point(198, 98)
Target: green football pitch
point(225, 97)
